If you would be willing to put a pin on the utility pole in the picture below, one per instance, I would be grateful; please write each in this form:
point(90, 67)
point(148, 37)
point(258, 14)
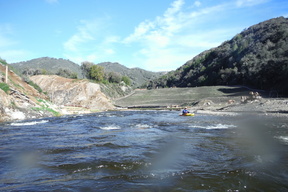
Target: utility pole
point(6, 77)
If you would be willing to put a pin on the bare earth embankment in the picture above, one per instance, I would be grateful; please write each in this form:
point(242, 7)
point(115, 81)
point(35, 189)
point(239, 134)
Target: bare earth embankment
point(214, 100)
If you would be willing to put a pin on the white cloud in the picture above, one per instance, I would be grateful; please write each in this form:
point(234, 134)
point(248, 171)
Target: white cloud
point(83, 35)
point(163, 43)
point(88, 44)
point(197, 3)
point(162, 27)
point(141, 30)
point(166, 40)
point(248, 3)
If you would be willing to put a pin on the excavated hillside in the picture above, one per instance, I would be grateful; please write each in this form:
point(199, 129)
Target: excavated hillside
point(20, 100)
point(73, 93)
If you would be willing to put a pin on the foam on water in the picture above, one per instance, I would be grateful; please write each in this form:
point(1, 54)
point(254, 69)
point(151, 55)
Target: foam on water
point(142, 126)
point(111, 127)
point(217, 126)
point(29, 123)
point(283, 138)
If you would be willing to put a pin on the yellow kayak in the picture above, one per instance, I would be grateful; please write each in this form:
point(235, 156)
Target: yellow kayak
point(187, 114)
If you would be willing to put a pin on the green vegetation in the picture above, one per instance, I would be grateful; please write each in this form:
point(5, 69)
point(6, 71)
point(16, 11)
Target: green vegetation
point(67, 73)
point(257, 57)
point(137, 76)
point(35, 86)
point(126, 80)
point(45, 107)
point(4, 87)
point(55, 113)
point(3, 62)
point(98, 74)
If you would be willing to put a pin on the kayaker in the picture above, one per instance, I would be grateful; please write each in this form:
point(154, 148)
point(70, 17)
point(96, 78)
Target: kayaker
point(185, 111)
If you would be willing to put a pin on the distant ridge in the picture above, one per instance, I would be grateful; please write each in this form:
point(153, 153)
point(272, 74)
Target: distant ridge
point(137, 75)
point(51, 65)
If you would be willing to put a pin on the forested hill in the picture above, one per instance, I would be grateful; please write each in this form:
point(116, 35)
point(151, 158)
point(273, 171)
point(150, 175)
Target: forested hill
point(256, 57)
point(137, 75)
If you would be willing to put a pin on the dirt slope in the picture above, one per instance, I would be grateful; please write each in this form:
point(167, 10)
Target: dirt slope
point(19, 100)
point(71, 92)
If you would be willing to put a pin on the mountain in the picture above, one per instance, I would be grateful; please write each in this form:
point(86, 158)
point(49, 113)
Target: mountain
point(256, 57)
point(68, 69)
point(137, 75)
point(47, 65)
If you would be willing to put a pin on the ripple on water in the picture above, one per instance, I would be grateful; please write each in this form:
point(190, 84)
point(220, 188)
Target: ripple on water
point(138, 151)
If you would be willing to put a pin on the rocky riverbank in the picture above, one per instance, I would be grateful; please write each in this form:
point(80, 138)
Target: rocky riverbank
point(225, 100)
point(20, 100)
point(263, 106)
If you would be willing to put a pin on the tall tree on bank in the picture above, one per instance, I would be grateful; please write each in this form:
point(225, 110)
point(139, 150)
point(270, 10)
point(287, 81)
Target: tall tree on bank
point(97, 73)
point(86, 68)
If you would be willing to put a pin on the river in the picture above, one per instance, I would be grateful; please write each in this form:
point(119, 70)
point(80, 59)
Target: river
point(145, 151)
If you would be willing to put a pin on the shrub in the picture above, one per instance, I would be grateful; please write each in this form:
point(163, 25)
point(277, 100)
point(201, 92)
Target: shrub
point(4, 87)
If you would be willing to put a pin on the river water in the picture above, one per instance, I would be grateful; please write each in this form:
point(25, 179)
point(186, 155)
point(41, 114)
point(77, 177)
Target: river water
point(145, 151)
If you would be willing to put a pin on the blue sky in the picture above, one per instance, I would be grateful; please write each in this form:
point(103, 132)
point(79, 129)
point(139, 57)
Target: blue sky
point(154, 35)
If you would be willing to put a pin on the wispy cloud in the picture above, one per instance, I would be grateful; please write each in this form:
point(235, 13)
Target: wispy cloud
point(167, 39)
point(161, 28)
point(83, 35)
point(248, 3)
point(162, 43)
point(88, 44)
point(51, 1)
point(171, 39)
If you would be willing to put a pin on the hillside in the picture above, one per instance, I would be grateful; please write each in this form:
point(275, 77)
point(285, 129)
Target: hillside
point(137, 75)
point(20, 100)
point(50, 95)
point(75, 93)
point(68, 69)
point(182, 96)
point(256, 57)
point(47, 65)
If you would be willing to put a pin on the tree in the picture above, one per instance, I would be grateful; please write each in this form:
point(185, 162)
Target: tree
point(3, 61)
point(126, 80)
point(114, 77)
point(86, 68)
point(97, 73)
point(66, 73)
